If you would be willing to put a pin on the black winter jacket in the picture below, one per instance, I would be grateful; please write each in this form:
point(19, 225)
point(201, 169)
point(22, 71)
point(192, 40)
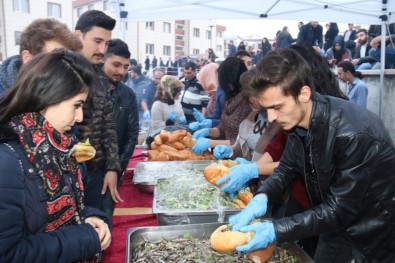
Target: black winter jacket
point(24, 211)
point(354, 159)
point(126, 121)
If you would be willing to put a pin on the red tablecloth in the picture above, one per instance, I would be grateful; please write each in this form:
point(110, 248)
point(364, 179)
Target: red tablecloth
point(132, 198)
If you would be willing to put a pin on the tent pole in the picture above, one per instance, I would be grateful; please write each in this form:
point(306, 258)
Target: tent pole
point(382, 64)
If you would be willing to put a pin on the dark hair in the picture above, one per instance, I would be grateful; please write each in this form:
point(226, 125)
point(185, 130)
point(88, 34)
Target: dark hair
point(190, 65)
point(324, 81)
point(38, 32)
point(242, 53)
point(348, 66)
point(283, 67)
point(133, 62)
point(362, 30)
point(47, 79)
point(136, 69)
point(118, 48)
point(245, 81)
point(229, 72)
point(93, 18)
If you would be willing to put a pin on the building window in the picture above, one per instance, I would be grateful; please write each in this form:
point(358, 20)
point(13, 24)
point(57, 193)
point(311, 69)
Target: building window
point(208, 34)
point(166, 50)
point(178, 37)
point(17, 38)
point(21, 6)
point(90, 7)
point(196, 32)
point(149, 49)
point(219, 34)
point(150, 25)
point(195, 51)
point(54, 10)
point(219, 48)
point(106, 5)
point(166, 27)
point(181, 27)
point(178, 48)
point(79, 11)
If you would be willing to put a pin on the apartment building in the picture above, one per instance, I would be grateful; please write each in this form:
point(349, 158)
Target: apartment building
point(15, 15)
point(162, 39)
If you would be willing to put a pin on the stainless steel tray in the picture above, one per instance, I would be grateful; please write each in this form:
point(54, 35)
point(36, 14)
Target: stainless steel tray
point(188, 205)
point(146, 174)
point(138, 235)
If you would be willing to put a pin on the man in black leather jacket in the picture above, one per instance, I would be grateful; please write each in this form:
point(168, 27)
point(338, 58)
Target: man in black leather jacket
point(346, 158)
point(116, 64)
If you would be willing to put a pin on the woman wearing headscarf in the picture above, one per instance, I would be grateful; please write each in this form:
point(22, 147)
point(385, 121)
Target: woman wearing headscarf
point(166, 109)
point(338, 52)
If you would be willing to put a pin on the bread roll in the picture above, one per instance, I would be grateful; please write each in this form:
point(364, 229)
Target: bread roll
point(225, 240)
point(83, 151)
point(214, 172)
point(262, 255)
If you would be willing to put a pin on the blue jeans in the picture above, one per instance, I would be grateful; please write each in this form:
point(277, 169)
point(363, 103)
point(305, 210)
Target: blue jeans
point(93, 183)
point(389, 56)
point(364, 66)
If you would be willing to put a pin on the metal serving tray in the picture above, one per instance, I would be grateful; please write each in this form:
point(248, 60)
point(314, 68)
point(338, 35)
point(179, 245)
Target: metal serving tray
point(183, 200)
point(138, 235)
point(146, 174)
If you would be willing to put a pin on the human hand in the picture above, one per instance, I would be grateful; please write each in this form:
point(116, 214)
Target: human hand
point(147, 115)
point(110, 182)
point(222, 151)
point(102, 230)
point(264, 235)
point(242, 160)
point(206, 123)
point(183, 120)
point(238, 177)
point(355, 61)
point(201, 145)
point(173, 116)
point(198, 115)
point(201, 133)
point(194, 126)
point(255, 208)
point(374, 43)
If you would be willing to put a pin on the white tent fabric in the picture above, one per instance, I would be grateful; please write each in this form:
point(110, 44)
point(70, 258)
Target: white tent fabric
point(342, 11)
point(374, 12)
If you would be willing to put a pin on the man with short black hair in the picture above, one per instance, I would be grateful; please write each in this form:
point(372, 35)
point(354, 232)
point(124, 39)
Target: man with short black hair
point(145, 92)
point(94, 30)
point(193, 95)
point(362, 60)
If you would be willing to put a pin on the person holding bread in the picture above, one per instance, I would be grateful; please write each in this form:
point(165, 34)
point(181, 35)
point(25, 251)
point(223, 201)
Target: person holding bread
point(166, 109)
point(346, 158)
point(44, 218)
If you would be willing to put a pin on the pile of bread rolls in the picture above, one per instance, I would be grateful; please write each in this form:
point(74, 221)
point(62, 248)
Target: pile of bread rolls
point(175, 146)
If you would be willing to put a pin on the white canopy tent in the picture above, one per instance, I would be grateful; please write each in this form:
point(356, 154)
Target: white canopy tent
point(375, 12)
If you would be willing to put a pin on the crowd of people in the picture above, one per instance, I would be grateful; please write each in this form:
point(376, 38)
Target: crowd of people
point(321, 165)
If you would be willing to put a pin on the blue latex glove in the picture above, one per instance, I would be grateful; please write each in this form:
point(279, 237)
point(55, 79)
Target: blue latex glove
point(238, 177)
point(242, 160)
point(183, 120)
point(222, 152)
point(198, 115)
point(194, 126)
point(255, 208)
point(201, 146)
point(207, 123)
point(201, 133)
point(264, 235)
point(147, 115)
point(173, 116)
